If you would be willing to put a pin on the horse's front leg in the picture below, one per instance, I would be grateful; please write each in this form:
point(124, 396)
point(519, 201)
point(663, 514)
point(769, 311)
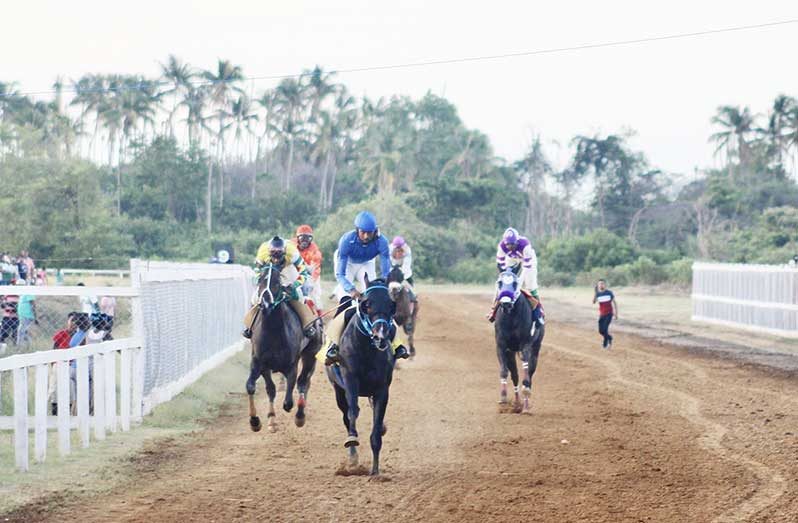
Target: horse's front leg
point(254, 372)
point(303, 385)
point(512, 365)
point(352, 396)
point(530, 362)
point(503, 372)
point(290, 383)
point(271, 391)
point(380, 405)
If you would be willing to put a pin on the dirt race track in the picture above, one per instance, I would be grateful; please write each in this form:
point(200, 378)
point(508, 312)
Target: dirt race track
point(644, 432)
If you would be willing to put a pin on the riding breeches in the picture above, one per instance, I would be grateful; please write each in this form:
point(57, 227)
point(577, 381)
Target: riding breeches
point(306, 316)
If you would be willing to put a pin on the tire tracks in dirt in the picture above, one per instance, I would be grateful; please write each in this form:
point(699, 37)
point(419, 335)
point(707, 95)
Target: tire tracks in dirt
point(771, 482)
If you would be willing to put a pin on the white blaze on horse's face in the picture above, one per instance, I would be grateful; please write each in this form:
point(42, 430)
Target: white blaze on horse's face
point(395, 290)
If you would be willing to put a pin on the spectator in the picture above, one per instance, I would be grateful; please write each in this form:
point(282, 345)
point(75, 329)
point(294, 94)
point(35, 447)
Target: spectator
point(608, 309)
point(41, 276)
point(10, 322)
point(61, 340)
point(108, 309)
point(30, 267)
point(9, 270)
point(82, 327)
point(88, 304)
point(26, 310)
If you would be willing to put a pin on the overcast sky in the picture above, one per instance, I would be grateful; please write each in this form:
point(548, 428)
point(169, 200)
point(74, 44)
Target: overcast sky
point(665, 91)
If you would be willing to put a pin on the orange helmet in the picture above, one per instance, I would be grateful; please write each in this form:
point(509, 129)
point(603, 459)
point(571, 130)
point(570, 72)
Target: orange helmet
point(304, 229)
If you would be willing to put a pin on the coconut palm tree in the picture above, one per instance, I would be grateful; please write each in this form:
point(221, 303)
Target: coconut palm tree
point(290, 101)
point(222, 84)
point(532, 171)
point(738, 127)
point(318, 86)
point(179, 76)
point(267, 103)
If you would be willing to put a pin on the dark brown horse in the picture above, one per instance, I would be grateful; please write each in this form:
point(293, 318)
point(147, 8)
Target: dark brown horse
point(406, 306)
point(277, 346)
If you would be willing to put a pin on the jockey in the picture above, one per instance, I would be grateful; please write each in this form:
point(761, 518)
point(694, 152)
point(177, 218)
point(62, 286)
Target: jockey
point(311, 254)
point(516, 253)
point(293, 272)
point(402, 257)
point(357, 250)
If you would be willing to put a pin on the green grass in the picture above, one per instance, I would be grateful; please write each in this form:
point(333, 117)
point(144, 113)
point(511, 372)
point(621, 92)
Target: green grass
point(101, 466)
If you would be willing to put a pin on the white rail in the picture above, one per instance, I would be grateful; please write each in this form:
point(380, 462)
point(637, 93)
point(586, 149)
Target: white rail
point(103, 407)
point(761, 298)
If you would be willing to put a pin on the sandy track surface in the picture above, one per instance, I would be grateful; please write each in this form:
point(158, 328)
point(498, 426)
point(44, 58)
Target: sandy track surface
point(644, 432)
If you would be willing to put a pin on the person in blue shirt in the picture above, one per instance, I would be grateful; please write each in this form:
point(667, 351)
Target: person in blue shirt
point(355, 258)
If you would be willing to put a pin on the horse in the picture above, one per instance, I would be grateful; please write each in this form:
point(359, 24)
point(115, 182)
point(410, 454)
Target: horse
point(278, 344)
point(366, 367)
point(406, 309)
point(516, 332)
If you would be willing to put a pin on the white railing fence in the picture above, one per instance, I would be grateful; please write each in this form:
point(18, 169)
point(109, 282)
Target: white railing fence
point(186, 319)
point(761, 298)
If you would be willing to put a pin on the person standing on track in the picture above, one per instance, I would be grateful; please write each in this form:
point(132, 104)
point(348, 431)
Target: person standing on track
point(608, 309)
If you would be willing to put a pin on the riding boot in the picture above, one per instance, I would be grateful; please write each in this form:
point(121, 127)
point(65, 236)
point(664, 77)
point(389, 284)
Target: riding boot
point(248, 330)
point(332, 355)
point(492, 315)
point(400, 352)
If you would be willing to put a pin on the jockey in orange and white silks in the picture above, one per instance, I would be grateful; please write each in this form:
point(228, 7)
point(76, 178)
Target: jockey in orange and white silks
point(515, 252)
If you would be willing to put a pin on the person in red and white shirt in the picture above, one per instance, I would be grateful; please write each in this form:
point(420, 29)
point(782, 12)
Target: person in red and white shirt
point(608, 309)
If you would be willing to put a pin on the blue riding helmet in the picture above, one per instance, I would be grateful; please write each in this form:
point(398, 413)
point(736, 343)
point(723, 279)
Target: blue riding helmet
point(365, 221)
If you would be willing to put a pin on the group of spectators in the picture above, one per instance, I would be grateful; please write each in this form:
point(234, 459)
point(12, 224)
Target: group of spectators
point(21, 270)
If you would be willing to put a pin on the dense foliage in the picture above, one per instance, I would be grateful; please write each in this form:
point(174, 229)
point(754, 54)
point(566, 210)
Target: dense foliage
point(115, 166)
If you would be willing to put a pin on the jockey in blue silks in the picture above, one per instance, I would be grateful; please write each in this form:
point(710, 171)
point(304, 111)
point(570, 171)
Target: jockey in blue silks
point(355, 258)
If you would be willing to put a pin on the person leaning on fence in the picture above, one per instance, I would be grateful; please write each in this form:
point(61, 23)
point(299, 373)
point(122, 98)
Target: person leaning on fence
point(108, 310)
point(61, 340)
point(26, 310)
point(608, 309)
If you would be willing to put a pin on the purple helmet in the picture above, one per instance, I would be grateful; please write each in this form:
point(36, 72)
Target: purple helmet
point(510, 236)
point(398, 241)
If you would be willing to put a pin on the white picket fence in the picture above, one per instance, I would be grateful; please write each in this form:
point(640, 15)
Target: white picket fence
point(762, 298)
point(186, 320)
point(113, 407)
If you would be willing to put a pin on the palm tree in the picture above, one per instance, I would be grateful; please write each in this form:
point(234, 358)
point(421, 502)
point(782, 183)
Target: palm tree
point(318, 88)
point(221, 85)
point(291, 102)
point(532, 170)
point(243, 117)
point(778, 125)
point(179, 75)
point(738, 128)
point(267, 102)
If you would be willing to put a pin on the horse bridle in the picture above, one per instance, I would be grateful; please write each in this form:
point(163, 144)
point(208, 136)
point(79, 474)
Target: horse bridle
point(365, 325)
point(273, 302)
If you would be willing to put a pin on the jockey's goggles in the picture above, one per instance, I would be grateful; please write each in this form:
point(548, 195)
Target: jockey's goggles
point(305, 238)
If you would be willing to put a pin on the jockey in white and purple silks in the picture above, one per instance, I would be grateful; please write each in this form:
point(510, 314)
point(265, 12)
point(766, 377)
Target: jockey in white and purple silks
point(516, 253)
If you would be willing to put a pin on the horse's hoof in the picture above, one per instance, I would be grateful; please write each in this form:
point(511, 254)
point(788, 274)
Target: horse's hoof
point(351, 441)
point(527, 392)
point(517, 408)
point(288, 406)
point(299, 421)
point(254, 424)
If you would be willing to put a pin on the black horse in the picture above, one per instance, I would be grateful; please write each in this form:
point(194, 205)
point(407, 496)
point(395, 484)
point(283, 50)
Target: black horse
point(406, 309)
point(516, 332)
point(366, 367)
point(277, 346)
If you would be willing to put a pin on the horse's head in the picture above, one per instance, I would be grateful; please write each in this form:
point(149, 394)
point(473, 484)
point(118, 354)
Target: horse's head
point(270, 292)
point(376, 311)
point(508, 288)
point(395, 279)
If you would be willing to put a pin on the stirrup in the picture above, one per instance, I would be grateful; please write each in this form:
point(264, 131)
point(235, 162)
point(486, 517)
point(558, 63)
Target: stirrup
point(332, 355)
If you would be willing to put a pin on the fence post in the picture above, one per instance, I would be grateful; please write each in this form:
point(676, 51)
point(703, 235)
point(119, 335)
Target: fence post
point(124, 391)
point(21, 417)
point(40, 400)
point(99, 396)
point(64, 406)
point(110, 390)
point(83, 401)
point(139, 355)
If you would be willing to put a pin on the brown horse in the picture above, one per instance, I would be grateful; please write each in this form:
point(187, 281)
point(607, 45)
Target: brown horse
point(406, 306)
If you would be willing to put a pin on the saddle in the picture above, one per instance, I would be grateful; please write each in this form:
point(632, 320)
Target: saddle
point(534, 302)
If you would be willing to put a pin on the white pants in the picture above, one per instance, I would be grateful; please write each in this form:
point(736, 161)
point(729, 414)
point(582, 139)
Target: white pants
point(356, 273)
point(312, 289)
point(527, 278)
